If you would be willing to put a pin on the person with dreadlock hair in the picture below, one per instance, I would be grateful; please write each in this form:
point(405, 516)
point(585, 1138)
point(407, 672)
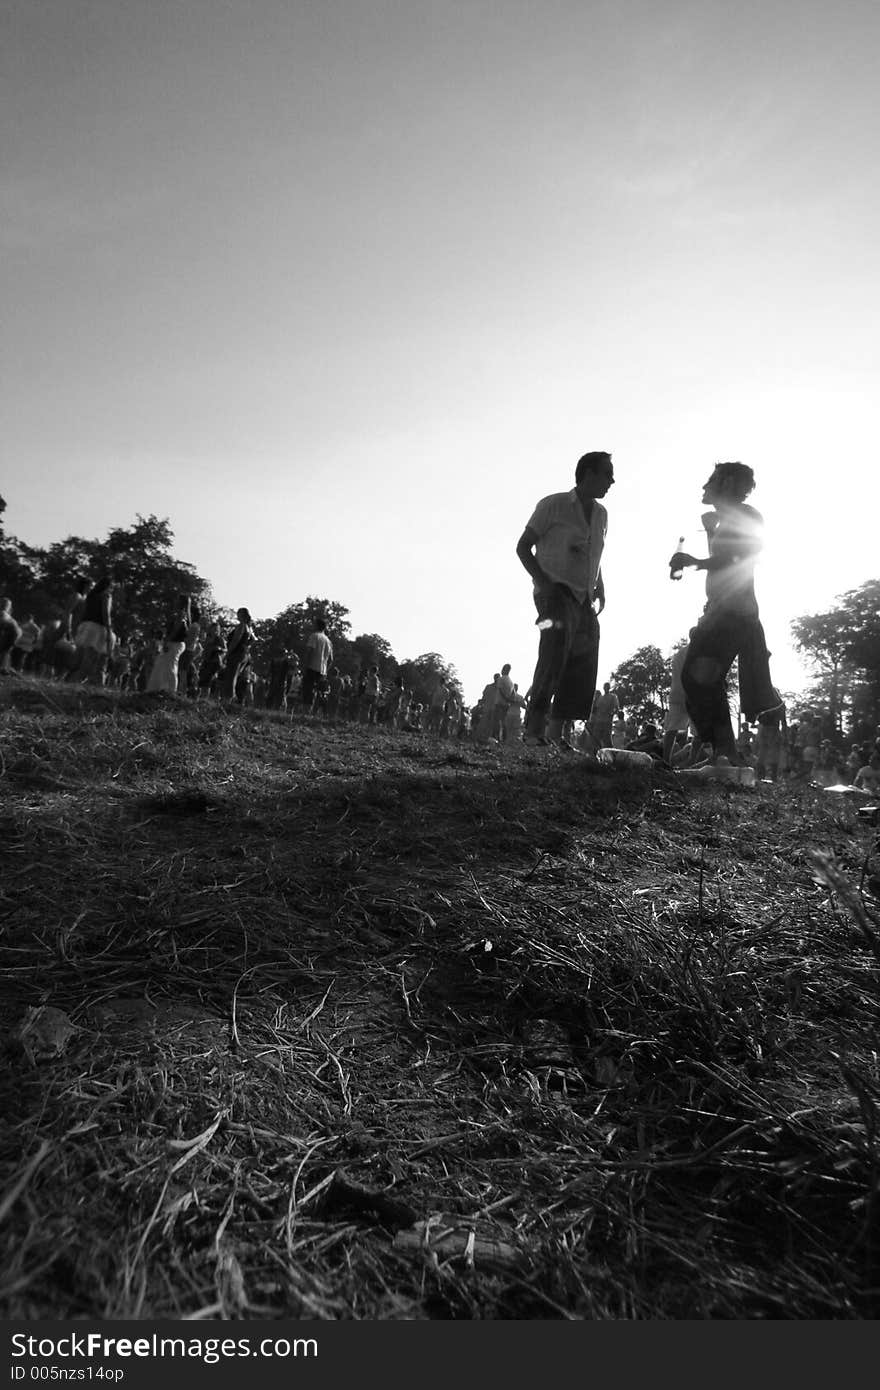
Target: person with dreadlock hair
point(729, 627)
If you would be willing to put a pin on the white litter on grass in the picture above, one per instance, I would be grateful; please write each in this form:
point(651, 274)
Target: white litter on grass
point(624, 757)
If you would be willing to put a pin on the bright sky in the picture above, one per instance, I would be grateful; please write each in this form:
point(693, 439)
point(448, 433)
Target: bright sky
point(343, 288)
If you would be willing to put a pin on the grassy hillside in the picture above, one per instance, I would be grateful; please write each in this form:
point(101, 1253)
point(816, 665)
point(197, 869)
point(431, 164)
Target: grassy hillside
point(330, 1022)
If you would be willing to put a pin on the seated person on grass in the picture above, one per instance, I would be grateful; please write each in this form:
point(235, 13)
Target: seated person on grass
point(867, 778)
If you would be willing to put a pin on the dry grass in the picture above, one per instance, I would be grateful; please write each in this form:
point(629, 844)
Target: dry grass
point(368, 1026)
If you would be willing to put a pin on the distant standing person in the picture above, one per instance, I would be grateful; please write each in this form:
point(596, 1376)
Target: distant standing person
point(561, 548)
point(486, 706)
point(395, 702)
point(605, 707)
point(165, 671)
point(319, 655)
point(513, 716)
point(187, 676)
point(437, 707)
point(49, 636)
point(676, 720)
point(502, 703)
point(335, 684)
point(238, 646)
point(729, 627)
point(9, 634)
point(94, 634)
point(370, 698)
point(213, 661)
point(74, 605)
point(25, 649)
point(811, 732)
point(281, 676)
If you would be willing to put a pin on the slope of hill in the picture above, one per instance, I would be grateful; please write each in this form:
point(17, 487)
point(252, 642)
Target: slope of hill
point(325, 1022)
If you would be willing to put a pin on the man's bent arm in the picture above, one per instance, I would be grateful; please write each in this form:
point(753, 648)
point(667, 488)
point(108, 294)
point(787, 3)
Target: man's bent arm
point(525, 550)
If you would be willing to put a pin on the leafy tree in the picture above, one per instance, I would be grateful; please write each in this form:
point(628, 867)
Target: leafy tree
point(149, 580)
point(421, 674)
point(19, 575)
point(843, 647)
point(642, 682)
point(20, 578)
point(289, 630)
point(369, 649)
point(821, 638)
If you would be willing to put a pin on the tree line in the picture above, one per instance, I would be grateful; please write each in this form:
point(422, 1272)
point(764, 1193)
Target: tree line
point(842, 645)
point(148, 588)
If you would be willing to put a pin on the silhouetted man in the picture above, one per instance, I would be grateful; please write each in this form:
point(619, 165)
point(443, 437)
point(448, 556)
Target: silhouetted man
point(561, 548)
point(605, 707)
point(319, 655)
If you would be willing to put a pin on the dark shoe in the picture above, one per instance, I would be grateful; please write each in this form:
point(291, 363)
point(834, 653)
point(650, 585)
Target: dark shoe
point(562, 745)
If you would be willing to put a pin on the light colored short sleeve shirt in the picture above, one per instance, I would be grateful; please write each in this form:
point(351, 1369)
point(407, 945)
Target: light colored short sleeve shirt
point(569, 548)
point(320, 652)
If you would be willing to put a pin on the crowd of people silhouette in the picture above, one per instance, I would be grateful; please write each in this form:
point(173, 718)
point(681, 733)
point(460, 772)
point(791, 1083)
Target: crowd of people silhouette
point(561, 548)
